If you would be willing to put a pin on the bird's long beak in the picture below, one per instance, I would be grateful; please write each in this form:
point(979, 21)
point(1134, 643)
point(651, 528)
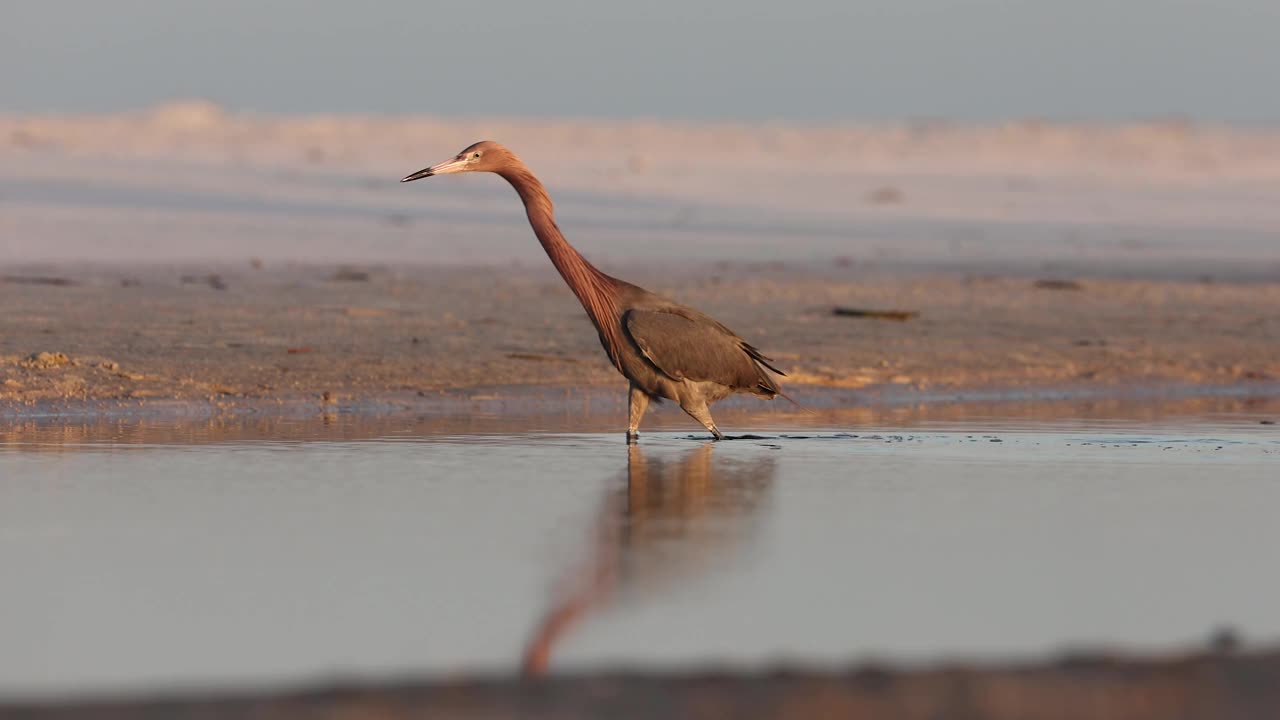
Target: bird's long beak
point(444, 168)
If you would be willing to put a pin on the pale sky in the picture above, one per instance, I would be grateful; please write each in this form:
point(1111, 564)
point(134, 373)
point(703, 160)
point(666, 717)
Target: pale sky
point(806, 60)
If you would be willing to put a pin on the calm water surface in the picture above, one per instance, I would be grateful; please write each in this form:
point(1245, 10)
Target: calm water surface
point(143, 565)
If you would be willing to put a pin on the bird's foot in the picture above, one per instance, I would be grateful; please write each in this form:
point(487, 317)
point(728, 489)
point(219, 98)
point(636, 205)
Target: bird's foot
point(632, 437)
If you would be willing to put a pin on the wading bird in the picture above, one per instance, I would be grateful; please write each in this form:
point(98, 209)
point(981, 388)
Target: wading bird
point(665, 349)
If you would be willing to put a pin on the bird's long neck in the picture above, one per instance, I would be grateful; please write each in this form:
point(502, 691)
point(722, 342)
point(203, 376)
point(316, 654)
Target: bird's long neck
point(595, 290)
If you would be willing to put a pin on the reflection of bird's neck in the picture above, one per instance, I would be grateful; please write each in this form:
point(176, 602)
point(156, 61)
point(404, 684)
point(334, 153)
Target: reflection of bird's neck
point(595, 290)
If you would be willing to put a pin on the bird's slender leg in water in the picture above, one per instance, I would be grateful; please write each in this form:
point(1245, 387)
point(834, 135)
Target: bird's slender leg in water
point(698, 411)
point(639, 402)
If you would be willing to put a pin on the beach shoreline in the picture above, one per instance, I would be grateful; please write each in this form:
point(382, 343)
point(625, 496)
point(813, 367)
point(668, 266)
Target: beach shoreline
point(117, 340)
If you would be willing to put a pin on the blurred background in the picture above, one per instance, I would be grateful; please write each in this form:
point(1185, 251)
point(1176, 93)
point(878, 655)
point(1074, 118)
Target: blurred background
point(752, 60)
point(1085, 136)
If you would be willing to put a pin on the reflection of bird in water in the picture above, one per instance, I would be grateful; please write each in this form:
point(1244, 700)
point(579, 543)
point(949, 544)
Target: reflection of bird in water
point(670, 518)
point(666, 350)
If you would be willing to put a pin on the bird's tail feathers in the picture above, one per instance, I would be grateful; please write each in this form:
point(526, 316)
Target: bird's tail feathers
point(798, 405)
point(770, 388)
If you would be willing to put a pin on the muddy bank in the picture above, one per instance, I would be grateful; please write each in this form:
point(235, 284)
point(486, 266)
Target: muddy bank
point(223, 336)
point(1207, 685)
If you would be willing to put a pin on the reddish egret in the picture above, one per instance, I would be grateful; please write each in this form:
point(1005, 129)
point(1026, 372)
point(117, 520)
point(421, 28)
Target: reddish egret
point(665, 349)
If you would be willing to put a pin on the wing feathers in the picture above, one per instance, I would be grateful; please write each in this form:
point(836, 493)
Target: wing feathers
point(681, 346)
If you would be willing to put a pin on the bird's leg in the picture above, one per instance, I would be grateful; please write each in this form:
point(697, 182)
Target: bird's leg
point(639, 402)
point(698, 411)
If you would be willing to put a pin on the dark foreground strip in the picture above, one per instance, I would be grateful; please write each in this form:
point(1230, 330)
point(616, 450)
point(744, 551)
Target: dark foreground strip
point(1217, 686)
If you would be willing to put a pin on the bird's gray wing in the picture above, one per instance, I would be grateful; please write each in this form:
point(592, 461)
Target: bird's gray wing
point(685, 345)
point(747, 347)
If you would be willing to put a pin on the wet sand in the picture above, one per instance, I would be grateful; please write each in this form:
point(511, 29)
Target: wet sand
point(224, 338)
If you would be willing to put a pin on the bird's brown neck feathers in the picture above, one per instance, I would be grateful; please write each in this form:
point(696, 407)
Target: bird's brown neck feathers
point(595, 290)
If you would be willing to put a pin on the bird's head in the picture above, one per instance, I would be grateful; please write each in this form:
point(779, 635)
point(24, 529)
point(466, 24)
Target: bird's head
point(484, 156)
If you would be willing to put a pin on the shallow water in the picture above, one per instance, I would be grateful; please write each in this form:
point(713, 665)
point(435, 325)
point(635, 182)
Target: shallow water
point(136, 564)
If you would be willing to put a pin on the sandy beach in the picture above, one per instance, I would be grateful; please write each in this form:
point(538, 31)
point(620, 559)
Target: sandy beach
point(195, 182)
point(220, 336)
point(187, 253)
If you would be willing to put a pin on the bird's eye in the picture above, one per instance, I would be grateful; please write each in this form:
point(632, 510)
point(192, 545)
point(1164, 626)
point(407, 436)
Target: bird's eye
point(475, 156)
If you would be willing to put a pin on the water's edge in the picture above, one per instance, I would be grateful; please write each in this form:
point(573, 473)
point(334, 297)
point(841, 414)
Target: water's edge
point(549, 400)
